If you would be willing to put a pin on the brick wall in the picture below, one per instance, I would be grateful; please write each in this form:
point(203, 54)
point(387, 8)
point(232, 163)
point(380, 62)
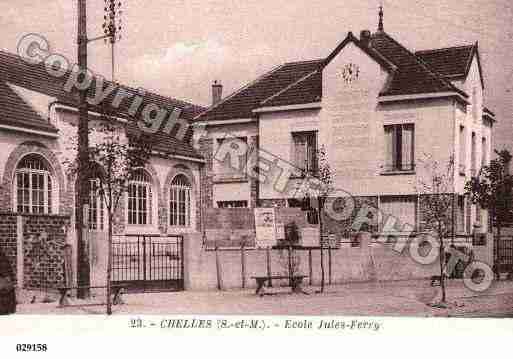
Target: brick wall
point(206, 173)
point(8, 239)
point(341, 228)
point(44, 254)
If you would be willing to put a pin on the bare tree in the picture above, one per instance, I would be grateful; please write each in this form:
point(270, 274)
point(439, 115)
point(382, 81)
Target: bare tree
point(116, 155)
point(324, 175)
point(436, 190)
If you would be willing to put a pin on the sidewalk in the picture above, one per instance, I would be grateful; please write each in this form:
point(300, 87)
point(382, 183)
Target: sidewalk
point(401, 298)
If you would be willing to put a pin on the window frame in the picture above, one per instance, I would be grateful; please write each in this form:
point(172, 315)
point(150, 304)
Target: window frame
point(48, 185)
point(148, 185)
point(187, 203)
point(311, 148)
point(397, 166)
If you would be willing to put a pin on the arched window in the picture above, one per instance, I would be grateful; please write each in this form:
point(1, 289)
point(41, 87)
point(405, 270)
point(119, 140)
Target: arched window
point(33, 186)
point(96, 206)
point(139, 199)
point(180, 202)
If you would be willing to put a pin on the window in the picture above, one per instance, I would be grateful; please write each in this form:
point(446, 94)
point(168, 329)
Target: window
point(473, 155)
point(484, 152)
point(474, 104)
point(232, 204)
point(304, 154)
point(96, 206)
point(229, 168)
point(463, 151)
point(139, 199)
point(399, 140)
point(33, 186)
point(460, 215)
point(403, 208)
point(180, 202)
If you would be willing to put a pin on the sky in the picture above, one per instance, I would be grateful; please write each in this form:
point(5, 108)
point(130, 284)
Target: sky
point(178, 48)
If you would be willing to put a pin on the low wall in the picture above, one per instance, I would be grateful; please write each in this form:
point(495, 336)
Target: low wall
point(367, 262)
point(35, 245)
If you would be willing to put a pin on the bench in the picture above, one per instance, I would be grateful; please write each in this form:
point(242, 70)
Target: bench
point(294, 282)
point(116, 293)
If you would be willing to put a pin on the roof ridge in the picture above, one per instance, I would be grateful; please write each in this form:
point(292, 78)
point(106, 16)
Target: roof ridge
point(303, 62)
point(444, 48)
point(285, 89)
point(239, 90)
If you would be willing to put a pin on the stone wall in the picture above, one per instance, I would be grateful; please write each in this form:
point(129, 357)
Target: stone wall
point(43, 238)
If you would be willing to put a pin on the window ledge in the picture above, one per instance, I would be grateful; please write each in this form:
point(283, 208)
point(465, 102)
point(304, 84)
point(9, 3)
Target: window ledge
point(141, 229)
point(220, 178)
point(397, 173)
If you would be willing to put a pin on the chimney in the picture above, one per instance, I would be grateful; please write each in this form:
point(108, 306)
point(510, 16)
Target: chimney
point(365, 37)
point(217, 92)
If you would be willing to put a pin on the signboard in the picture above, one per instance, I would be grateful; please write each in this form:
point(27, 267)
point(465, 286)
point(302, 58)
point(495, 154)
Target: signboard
point(265, 227)
point(310, 237)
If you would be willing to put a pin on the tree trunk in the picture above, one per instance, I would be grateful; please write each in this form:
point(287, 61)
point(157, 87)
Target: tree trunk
point(320, 205)
point(109, 267)
point(442, 263)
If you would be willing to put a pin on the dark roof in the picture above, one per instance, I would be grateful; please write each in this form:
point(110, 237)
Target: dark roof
point(241, 103)
point(451, 62)
point(15, 112)
point(413, 76)
point(15, 70)
point(297, 83)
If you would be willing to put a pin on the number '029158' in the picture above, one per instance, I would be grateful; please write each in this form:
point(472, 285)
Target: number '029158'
point(31, 347)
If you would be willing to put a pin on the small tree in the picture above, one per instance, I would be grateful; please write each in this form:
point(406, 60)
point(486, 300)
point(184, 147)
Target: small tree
point(324, 175)
point(492, 189)
point(436, 189)
point(114, 158)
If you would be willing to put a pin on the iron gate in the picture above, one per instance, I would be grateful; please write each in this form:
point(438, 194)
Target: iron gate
point(505, 254)
point(148, 262)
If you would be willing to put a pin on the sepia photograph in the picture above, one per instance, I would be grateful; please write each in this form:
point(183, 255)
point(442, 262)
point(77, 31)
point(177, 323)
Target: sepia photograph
point(255, 165)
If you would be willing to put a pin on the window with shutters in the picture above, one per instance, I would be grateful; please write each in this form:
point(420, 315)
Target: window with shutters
point(139, 199)
point(304, 151)
point(33, 186)
point(180, 202)
point(399, 148)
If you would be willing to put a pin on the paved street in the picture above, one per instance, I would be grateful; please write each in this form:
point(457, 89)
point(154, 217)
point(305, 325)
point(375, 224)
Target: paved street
point(401, 298)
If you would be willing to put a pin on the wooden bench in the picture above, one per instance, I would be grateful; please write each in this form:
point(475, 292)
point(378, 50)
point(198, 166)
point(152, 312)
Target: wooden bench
point(294, 282)
point(116, 293)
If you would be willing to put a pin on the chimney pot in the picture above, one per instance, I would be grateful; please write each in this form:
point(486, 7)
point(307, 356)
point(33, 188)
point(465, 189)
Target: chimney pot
point(365, 37)
point(217, 92)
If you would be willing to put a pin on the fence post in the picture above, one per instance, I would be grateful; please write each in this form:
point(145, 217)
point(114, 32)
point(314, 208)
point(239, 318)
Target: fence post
point(218, 270)
point(243, 265)
point(268, 259)
point(329, 264)
point(310, 273)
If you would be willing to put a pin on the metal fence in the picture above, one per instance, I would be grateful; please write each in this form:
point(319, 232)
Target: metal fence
point(148, 262)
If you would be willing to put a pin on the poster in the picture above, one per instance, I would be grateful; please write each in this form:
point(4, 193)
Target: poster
point(265, 227)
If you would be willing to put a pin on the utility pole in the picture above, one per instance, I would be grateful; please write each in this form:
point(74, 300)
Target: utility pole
point(83, 270)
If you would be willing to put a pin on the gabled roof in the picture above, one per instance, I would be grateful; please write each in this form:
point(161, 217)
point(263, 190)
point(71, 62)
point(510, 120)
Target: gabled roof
point(242, 102)
point(297, 83)
point(14, 70)
point(452, 62)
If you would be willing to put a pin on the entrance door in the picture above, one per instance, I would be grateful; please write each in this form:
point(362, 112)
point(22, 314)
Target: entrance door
point(97, 235)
